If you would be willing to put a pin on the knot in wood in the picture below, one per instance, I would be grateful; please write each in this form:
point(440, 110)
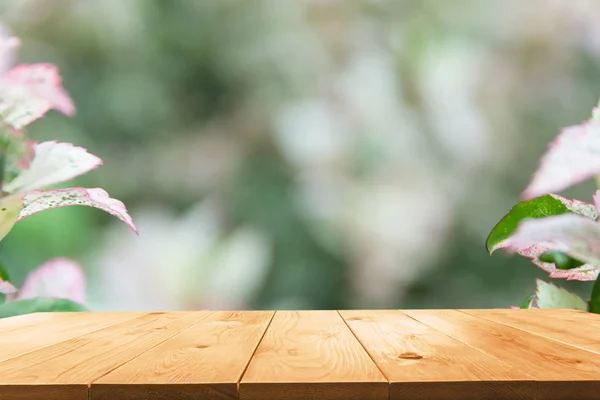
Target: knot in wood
point(410, 355)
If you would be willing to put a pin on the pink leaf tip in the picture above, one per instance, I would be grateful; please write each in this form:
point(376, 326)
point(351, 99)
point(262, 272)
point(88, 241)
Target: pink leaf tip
point(6, 287)
point(597, 201)
point(57, 278)
point(39, 200)
point(28, 91)
point(572, 157)
point(53, 162)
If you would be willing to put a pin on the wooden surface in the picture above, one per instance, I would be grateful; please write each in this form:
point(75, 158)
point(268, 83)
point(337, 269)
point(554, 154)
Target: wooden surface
point(309, 355)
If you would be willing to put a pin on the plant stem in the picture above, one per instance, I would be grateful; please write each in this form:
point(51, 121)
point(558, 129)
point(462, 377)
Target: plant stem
point(595, 299)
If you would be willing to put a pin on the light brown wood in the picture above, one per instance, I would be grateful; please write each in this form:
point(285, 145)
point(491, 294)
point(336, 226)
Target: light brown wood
point(22, 339)
point(292, 355)
point(563, 372)
point(579, 329)
point(422, 363)
point(203, 362)
point(75, 363)
point(310, 355)
point(27, 320)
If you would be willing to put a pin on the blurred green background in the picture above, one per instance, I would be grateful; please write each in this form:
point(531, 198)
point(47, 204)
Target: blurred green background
point(304, 153)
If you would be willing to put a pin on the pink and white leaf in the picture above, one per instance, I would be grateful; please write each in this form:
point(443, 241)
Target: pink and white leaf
point(596, 113)
point(579, 207)
point(6, 287)
point(10, 208)
point(551, 296)
point(57, 278)
point(586, 272)
point(572, 158)
point(569, 233)
point(53, 163)
point(597, 201)
point(40, 200)
point(29, 91)
point(18, 153)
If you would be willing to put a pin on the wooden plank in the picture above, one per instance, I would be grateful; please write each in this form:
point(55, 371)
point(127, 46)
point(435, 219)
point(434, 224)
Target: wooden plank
point(579, 329)
point(311, 355)
point(22, 339)
point(71, 365)
point(24, 321)
point(203, 362)
point(563, 372)
point(422, 363)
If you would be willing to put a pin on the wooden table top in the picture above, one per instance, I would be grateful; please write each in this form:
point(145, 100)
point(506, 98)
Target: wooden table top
point(302, 355)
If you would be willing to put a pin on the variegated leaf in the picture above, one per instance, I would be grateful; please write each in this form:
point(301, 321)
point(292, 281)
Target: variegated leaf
point(573, 157)
point(596, 113)
point(550, 296)
point(6, 287)
point(57, 278)
point(17, 151)
point(39, 200)
point(28, 91)
point(597, 201)
point(574, 235)
point(53, 163)
point(540, 207)
point(10, 208)
point(586, 272)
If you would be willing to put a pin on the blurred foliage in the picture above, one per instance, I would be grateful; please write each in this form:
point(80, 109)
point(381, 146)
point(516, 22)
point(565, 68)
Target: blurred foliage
point(345, 154)
point(39, 304)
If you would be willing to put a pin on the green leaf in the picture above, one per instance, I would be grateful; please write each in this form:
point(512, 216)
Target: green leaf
point(539, 207)
point(527, 303)
point(10, 208)
point(4, 274)
point(6, 286)
point(550, 296)
point(561, 260)
point(39, 304)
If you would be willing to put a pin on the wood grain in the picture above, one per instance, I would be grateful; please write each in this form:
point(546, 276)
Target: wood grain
point(563, 372)
point(203, 362)
point(22, 339)
point(422, 363)
point(579, 329)
point(310, 355)
point(27, 320)
point(73, 364)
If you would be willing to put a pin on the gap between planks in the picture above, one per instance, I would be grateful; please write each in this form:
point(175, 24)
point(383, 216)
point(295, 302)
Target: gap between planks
point(437, 329)
point(66, 381)
point(254, 352)
point(69, 366)
point(363, 346)
point(203, 361)
point(422, 363)
point(309, 355)
point(562, 371)
point(20, 340)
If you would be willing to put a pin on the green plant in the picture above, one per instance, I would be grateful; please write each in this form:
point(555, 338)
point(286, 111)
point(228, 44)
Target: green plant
point(559, 235)
point(27, 93)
